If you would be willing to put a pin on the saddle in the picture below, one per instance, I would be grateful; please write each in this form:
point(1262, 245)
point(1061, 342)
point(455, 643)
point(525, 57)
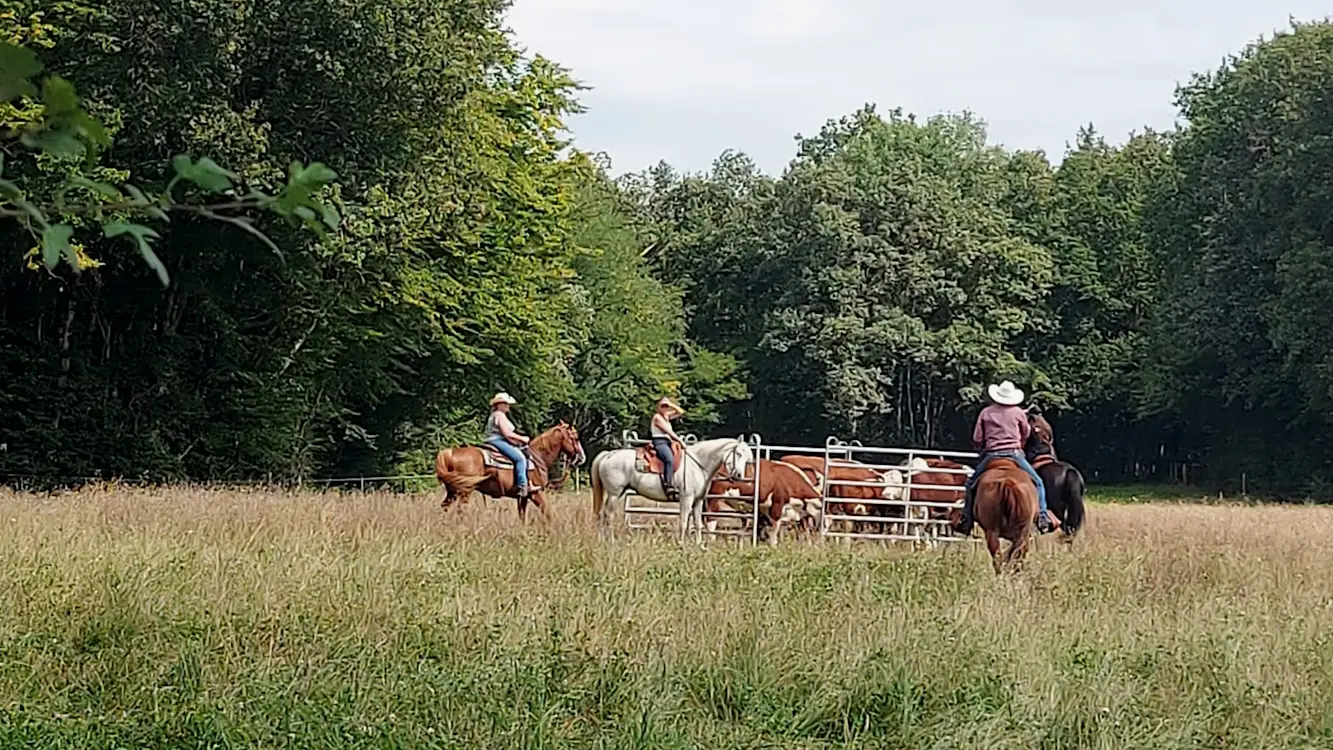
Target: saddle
point(646, 460)
point(493, 458)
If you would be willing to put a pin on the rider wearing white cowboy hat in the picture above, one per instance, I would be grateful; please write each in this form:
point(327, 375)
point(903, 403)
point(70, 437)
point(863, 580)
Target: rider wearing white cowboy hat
point(663, 436)
point(501, 433)
point(1001, 431)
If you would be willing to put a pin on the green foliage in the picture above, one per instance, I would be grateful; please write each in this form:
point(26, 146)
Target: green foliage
point(456, 270)
point(878, 283)
point(63, 129)
point(631, 345)
point(1241, 358)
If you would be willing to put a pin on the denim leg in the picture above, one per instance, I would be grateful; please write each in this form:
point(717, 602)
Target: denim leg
point(663, 448)
point(971, 483)
point(512, 453)
point(1022, 461)
point(970, 486)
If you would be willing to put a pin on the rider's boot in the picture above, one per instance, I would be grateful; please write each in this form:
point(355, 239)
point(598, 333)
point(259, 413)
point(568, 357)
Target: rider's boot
point(672, 494)
point(965, 522)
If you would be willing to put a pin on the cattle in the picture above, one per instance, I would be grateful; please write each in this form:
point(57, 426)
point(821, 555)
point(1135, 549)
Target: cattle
point(921, 475)
point(790, 492)
point(886, 485)
point(785, 493)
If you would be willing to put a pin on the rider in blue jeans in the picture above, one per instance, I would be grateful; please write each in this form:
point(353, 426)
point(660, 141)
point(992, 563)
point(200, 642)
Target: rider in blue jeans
point(663, 436)
point(1001, 431)
point(500, 433)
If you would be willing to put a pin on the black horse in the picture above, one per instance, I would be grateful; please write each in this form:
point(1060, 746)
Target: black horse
point(1064, 483)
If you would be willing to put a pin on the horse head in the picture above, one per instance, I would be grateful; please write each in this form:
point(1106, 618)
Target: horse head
point(1042, 433)
point(737, 459)
point(570, 445)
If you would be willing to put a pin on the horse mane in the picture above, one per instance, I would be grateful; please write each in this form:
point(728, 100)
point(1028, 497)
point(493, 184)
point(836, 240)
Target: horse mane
point(543, 440)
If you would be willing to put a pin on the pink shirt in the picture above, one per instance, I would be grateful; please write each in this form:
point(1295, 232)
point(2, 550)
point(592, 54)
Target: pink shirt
point(1001, 428)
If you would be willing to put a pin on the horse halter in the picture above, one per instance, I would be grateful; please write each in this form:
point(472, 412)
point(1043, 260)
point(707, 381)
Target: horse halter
point(735, 474)
point(578, 445)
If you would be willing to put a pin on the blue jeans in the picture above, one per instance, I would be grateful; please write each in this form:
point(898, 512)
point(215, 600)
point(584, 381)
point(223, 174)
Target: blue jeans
point(663, 448)
point(512, 453)
point(1023, 464)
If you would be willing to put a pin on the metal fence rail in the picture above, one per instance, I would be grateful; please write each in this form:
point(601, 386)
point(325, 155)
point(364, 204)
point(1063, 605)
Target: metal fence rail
point(915, 523)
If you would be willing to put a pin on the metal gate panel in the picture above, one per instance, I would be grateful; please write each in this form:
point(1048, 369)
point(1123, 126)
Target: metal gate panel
point(915, 524)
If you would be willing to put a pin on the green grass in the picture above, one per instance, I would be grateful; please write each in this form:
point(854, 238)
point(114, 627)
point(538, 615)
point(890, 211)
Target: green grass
point(191, 619)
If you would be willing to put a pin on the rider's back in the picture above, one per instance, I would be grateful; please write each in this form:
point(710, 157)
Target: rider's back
point(1001, 428)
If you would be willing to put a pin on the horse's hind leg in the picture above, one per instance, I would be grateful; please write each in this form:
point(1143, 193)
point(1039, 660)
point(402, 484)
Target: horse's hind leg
point(1013, 557)
point(993, 545)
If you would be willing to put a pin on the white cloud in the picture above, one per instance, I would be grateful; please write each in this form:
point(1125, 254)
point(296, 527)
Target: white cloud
point(682, 80)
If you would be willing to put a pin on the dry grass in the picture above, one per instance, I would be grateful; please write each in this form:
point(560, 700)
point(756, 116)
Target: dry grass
point(224, 619)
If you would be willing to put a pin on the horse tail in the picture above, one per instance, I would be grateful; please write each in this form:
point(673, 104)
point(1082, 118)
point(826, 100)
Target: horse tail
point(1011, 499)
point(458, 483)
point(598, 492)
point(1074, 488)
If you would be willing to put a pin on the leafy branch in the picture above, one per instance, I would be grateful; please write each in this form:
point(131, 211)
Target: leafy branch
point(63, 129)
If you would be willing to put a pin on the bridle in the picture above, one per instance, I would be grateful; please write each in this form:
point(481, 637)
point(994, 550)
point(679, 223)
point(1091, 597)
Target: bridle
point(734, 474)
point(577, 456)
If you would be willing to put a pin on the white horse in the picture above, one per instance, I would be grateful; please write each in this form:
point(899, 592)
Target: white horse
point(614, 476)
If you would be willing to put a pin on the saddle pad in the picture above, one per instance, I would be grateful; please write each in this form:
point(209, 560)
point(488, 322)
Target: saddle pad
point(494, 458)
point(1042, 460)
point(647, 461)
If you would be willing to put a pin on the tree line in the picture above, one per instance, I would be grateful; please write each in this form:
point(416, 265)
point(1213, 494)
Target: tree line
point(1162, 298)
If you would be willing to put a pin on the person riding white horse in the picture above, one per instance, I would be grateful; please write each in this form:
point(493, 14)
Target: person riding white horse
point(615, 474)
point(663, 437)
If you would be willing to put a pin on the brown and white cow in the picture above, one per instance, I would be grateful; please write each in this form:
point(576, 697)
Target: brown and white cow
point(881, 485)
point(786, 495)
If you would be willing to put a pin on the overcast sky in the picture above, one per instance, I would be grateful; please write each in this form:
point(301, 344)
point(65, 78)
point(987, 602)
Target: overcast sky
point(681, 80)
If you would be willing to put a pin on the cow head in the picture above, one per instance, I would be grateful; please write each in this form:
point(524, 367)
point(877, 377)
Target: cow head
point(894, 485)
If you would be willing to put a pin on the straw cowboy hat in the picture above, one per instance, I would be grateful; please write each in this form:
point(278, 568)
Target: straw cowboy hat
point(664, 401)
point(502, 398)
point(1005, 394)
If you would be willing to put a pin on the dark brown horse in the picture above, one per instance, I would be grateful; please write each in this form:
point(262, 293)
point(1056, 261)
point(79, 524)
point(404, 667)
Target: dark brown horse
point(464, 469)
point(1064, 483)
point(1005, 508)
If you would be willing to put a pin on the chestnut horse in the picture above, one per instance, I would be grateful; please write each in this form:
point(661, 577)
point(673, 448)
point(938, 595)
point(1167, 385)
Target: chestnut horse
point(1005, 508)
point(1064, 483)
point(464, 469)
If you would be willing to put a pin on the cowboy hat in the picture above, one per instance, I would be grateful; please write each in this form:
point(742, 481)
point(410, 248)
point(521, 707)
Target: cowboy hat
point(1005, 394)
point(502, 398)
point(664, 401)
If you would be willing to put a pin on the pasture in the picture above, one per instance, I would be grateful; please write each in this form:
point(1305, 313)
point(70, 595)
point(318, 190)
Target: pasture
point(192, 618)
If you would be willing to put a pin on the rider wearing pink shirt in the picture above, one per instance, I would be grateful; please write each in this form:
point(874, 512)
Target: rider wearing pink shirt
point(1002, 430)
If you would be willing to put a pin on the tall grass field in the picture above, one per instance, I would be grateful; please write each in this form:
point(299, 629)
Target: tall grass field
point(223, 619)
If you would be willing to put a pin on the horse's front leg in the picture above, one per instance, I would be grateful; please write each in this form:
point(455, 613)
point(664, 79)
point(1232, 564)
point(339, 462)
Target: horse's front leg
point(699, 521)
point(539, 499)
point(684, 519)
